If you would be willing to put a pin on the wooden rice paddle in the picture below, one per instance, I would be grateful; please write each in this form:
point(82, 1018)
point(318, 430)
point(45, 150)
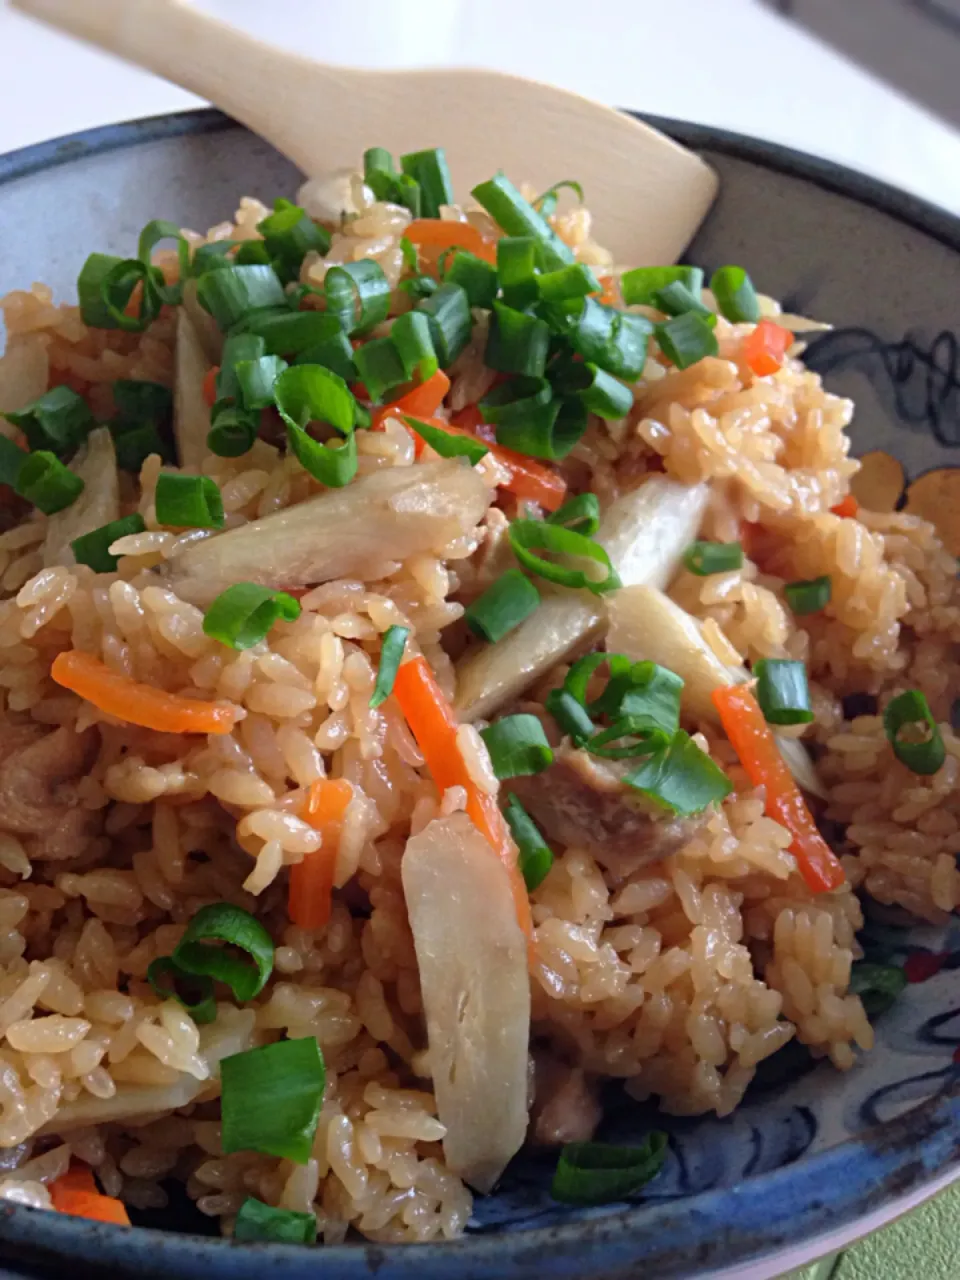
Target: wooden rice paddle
point(648, 194)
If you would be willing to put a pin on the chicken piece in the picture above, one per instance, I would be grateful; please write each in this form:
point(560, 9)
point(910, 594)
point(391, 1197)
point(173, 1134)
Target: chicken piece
point(39, 768)
point(566, 1105)
point(582, 800)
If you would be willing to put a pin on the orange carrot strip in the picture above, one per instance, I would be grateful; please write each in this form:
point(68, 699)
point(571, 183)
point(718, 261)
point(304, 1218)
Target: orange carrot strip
point(137, 703)
point(764, 349)
point(610, 296)
point(434, 235)
point(434, 725)
point(422, 401)
point(311, 881)
point(75, 1193)
point(210, 385)
point(529, 479)
point(847, 506)
point(756, 746)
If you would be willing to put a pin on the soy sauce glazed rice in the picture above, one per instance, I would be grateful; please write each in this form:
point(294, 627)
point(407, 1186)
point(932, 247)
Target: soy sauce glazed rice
point(302, 770)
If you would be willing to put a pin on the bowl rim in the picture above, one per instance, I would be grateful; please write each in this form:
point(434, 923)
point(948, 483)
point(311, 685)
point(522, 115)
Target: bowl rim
point(876, 1170)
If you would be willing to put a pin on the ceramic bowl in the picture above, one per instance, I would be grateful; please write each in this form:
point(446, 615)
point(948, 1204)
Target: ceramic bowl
point(814, 1157)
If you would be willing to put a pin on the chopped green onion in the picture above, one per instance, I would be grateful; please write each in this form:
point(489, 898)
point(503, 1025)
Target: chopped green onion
point(575, 281)
point(210, 257)
point(105, 287)
point(289, 234)
point(517, 217)
point(59, 420)
point(782, 691)
point(507, 602)
point(448, 311)
point(333, 465)
point(614, 340)
point(516, 342)
point(923, 756)
point(358, 293)
point(570, 716)
point(599, 1173)
point(877, 985)
point(291, 333)
point(231, 293)
point(680, 778)
point(271, 1099)
point(254, 253)
point(550, 436)
point(188, 501)
point(580, 673)
point(222, 922)
point(150, 237)
point(135, 444)
point(446, 443)
point(308, 393)
point(477, 278)
point(232, 433)
point(686, 339)
point(735, 295)
point(256, 380)
point(518, 746)
point(517, 269)
point(386, 184)
point(47, 483)
point(334, 353)
point(517, 402)
point(241, 616)
point(257, 1221)
point(582, 514)
point(380, 367)
point(645, 701)
point(706, 558)
point(411, 257)
point(808, 596)
point(11, 460)
point(411, 336)
point(194, 991)
point(93, 548)
point(640, 286)
point(527, 537)
point(534, 855)
point(141, 401)
point(599, 391)
point(419, 286)
point(547, 202)
point(676, 300)
point(429, 169)
point(239, 348)
point(391, 654)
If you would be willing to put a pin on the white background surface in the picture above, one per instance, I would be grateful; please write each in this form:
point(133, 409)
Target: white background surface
point(724, 62)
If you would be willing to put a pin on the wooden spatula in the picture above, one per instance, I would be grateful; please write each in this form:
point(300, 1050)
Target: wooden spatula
point(648, 194)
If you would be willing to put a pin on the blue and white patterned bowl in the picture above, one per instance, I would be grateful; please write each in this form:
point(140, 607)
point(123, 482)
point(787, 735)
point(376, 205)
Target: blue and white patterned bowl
point(813, 1158)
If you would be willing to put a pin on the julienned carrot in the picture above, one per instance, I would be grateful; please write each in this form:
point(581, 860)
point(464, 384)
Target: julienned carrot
point(434, 725)
point(764, 349)
point(756, 746)
point(529, 479)
point(434, 235)
point(75, 1193)
point(847, 506)
point(610, 296)
point(210, 385)
point(421, 401)
point(138, 703)
point(311, 881)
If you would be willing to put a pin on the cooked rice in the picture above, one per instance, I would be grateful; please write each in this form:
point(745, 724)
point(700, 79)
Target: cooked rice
point(678, 979)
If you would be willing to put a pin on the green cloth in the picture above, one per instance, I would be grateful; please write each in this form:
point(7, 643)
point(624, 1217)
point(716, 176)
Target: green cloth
point(925, 1243)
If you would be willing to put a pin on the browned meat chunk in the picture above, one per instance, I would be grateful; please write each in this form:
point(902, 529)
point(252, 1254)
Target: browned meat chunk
point(566, 1107)
point(583, 801)
point(39, 768)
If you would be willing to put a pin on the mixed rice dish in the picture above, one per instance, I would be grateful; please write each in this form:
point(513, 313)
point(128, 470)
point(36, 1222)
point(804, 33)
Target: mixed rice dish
point(445, 675)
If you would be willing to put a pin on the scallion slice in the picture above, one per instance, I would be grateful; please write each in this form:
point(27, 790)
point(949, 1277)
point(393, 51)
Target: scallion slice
point(241, 616)
point(11, 460)
point(47, 483)
point(289, 234)
point(134, 444)
point(386, 184)
point(808, 596)
point(782, 691)
point(238, 348)
point(358, 293)
point(151, 235)
point(291, 333)
point(222, 922)
point(254, 253)
point(599, 1173)
point(391, 655)
point(706, 558)
point(580, 673)
point(676, 300)
point(547, 202)
point(232, 432)
point(212, 256)
point(517, 343)
point(644, 703)
point(257, 1221)
point(429, 169)
point(878, 986)
point(477, 278)
point(231, 293)
point(614, 340)
point(534, 855)
point(271, 1099)
point(194, 991)
point(446, 443)
point(582, 514)
point(106, 286)
point(448, 311)
point(517, 269)
point(93, 548)
point(518, 746)
point(735, 295)
point(256, 380)
point(412, 338)
point(380, 366)
point(599, 391)
point(681, 778)
point(517, 217)
point(516, 402)
point(188, 501)
point(507, 602)
point(528, 537)
point(332, 465)
point(140, 401)
point(576, 281)
point(640, 286)
point(334, 353)
point(550, 434)
point(911, 710)
point(58, 421)
point(686, 339)
point(572, 718)
point(307, 393)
